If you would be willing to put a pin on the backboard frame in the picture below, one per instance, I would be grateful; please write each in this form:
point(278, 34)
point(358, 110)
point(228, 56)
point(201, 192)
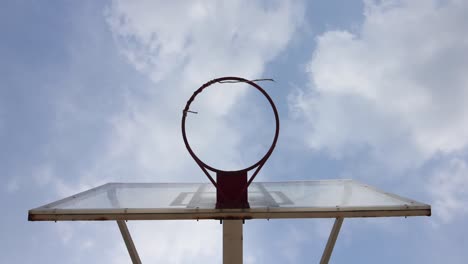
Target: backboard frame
point(49, 212)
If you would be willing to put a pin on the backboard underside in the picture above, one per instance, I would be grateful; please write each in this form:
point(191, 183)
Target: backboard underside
point(268, 200)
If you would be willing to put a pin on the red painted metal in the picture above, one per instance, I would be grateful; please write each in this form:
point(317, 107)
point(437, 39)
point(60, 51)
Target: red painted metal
point(232, 184)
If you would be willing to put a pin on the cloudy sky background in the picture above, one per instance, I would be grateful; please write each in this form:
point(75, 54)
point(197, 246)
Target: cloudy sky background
point(92, 92)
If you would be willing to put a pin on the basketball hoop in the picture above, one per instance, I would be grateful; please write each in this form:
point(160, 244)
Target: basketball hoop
point(231, 186)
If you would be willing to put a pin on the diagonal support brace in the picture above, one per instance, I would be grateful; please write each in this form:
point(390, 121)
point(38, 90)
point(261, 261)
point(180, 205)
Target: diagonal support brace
point(128, 242)
point(331, 240)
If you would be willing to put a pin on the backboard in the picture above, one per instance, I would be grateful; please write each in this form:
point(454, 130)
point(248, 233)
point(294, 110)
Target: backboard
point(268, 200)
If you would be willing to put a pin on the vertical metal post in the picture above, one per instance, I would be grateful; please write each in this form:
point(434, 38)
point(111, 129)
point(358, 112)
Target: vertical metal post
point(331, 240)
point(232, 241)
point(129, 242)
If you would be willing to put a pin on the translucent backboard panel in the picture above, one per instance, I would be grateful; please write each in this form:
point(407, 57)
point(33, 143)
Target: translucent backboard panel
point(268, 200)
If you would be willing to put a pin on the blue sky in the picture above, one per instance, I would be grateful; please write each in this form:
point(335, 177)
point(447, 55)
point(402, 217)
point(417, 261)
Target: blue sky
point(92, 92)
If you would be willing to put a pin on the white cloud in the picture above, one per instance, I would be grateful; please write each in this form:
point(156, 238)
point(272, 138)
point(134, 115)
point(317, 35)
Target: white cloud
point(394, 94)
point(65, 232)
point(12, 185)
point(174, 242)
point(397, 87)
point(200, 39)
point(180, 45)
point(45, 177)
point(295, 238)
point(448, 187)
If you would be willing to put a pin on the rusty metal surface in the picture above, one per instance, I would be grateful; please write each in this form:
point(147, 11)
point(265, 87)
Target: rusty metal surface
point(220, 215)
point(231, 183)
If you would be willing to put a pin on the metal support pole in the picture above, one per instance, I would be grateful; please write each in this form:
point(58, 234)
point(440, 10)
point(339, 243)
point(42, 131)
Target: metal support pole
point(331, 240)
point(232, 241)
point(129, 242)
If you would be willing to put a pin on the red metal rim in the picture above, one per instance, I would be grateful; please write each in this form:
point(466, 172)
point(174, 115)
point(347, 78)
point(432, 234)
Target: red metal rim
point(222, 79)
